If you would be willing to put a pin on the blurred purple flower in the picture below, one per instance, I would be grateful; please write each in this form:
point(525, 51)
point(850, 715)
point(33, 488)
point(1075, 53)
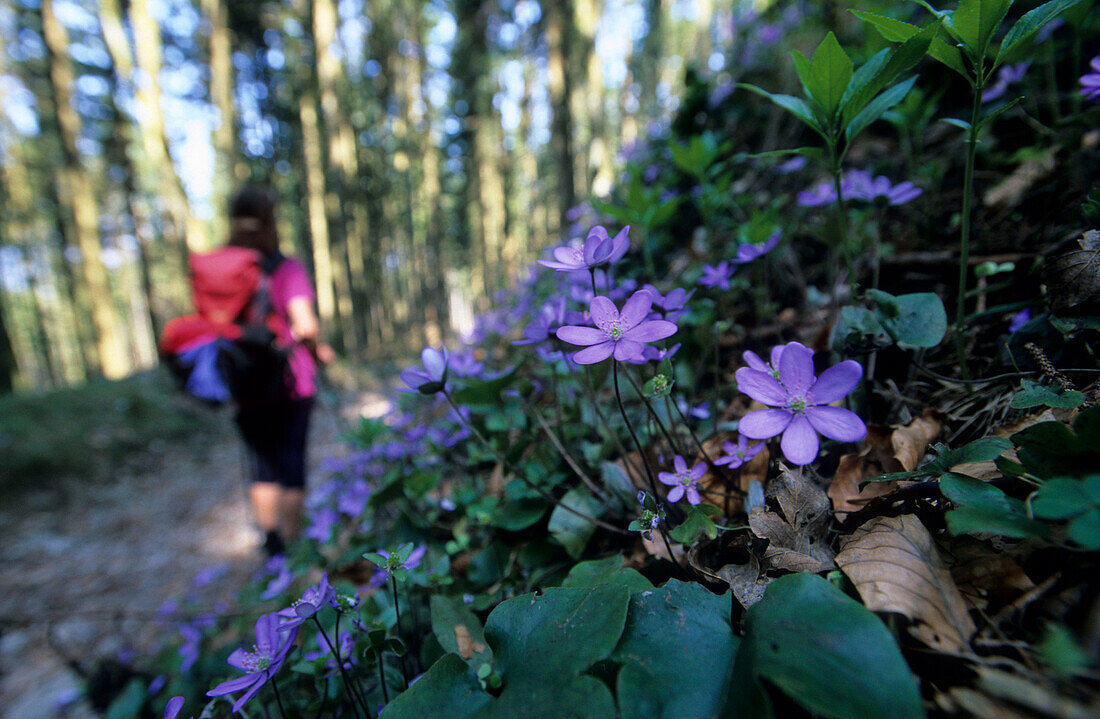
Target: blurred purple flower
point(859, 185)
point(794, 164)
point(173, 707)
point(313, 600)
point(598, 249)
point(620, 334)
point(750, 251)
point(1047, 30)
point(345, 645)
point(321, 524)
point(1020, 319)
point(283, 577)
point(799, 403)
point(412, 562)
point(550, 317)
point(754, 362)
point(1008, 75)
point(738, 454)
point(465, 364)
point(718, 275)
point(822, 194)
point(209, 574)
point(433, 377)
point(190, 648)
point(673, 305)
point(683, 481)
point(261, 664)
point(1091, 81)
point(353, 499)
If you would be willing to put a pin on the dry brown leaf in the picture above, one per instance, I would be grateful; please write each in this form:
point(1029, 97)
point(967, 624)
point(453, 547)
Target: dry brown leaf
point(984, 577)
point(895, 567)
point(746, 580)
point(467, 647)
point(897, 448)
point(1010, 191)
point(798, 536)
point(986, 471)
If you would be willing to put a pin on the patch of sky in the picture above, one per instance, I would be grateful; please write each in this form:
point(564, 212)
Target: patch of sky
point(178, 18)
point(372, 68)
point(90, 52)
point(621, 25)
point(28, 46)
point(13, 270)
point(18, 104)
point(76, 16)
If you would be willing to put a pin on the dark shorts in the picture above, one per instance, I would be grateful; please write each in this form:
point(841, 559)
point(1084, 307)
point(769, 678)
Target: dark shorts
point(275, 441)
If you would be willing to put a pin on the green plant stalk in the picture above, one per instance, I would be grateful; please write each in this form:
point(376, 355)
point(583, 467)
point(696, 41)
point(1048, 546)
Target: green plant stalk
point(356, 689)
point(964, 242)
point(397, 608)
point(641, 452)
point(673, 445)
point(278, 699)
point(841, 220)
point(340, 662)
point(523, 478)
point(382, 678)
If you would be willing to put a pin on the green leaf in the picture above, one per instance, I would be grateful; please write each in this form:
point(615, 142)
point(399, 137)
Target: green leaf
point(484, 392)
point(1033, 394)
point(794, 105)
point(1085, 530)
point(1050, 449)
point(986, 449)
point(967, 491)
point(883, 69)
point(452, 622)
point(891, 29)
point(832, 72)
point(696, 526)
point(956, 122)
point(129, 702)
point(998, 112)
point(972, 520)
point(813, 153)
point(825, 651)
point(949, 55)
point(572, 531)
point(447, 689)
point(676, 653)
point(877, 107)
point(1025, 28)
point(920, 319)
point(975, 21)
point(1060, 499)
point(519, 515)
point(606, 571)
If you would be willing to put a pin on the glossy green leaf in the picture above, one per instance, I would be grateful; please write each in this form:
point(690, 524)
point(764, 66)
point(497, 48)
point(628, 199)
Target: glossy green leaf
point(1060, 499)
point(1085, 530)
point(452, 622)
point(949, 55)
point(974, 520)
point(606, 571)
point(447, 689)
point(975, 21)
point(1050, 449)
point(877, 108)
point(571, 531)
point(483, 392)
point(825, 651)
point(832, 72)
point(794, 105)
point(966, 491)
point(676, 653)
point(694, 527)
point(519, 515)
point(918, 319)
point(1025, 28)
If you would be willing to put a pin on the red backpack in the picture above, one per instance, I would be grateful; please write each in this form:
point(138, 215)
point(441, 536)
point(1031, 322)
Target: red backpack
point(228, 349)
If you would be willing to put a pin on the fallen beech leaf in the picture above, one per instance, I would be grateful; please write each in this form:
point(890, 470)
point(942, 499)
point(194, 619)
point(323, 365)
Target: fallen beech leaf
point(895, 568)
point(1073, 279)
point(898, 448)
point(467, 647)
point(983, 577)
point(746, 580)
point(799, 536)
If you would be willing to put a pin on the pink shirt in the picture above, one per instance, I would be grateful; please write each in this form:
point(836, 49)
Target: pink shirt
point(291, 280)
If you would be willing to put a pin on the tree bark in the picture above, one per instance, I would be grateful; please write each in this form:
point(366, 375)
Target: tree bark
point(221, 96)
point(559, 36)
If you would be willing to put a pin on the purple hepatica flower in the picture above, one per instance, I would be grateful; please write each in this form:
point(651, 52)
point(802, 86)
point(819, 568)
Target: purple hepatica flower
point(822, 194)
point(262, 663)
point(1008, 75)
point(794, 164)
point(620, 334)
point(738, 454)
point(751, 251)
point(799, 403)
point(283, 577)
point(673, 305)
point(321, 523)
point(433, 377)
point(683, 481)
point(173, 707)
point(551, 316)
point(393, 564)
point(1091, 82)
point(313, 600)
point(598, 249)
point(465, 364)
point(1020, 319)
point(718, 275)
point(753, 361)
point(345, 644)
point(209, 574)
point(859, 185)
point(189, 649)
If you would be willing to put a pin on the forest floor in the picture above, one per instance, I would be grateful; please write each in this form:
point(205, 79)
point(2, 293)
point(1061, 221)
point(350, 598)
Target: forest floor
point(88, 562)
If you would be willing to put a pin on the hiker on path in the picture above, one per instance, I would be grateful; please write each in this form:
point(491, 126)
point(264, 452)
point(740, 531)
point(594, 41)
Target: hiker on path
point(275, 433)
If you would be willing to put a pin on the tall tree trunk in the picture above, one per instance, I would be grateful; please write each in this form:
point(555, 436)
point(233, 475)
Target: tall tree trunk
point(147, 41)
point(221, 96)
point(646, 64)
point(559, 36)
point(77, 195)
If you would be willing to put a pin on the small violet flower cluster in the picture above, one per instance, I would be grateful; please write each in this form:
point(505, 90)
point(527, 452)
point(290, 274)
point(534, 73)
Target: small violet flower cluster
point(798, 401)
point(860, 185)
point(684, 481)
point(720, 275)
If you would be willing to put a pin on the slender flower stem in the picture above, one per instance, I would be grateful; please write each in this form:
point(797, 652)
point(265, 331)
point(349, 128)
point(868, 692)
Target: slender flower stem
point(588, 481)
point(278, 699)
point(592, 276)
point(645, 460)
point(653, 413)
point(397, 608)
point(382, 677)
point(964, 242)
point(523, 478)
point(334, 648)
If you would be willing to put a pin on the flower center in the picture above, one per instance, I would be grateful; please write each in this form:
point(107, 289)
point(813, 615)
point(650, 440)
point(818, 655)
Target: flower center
point(614, 331)
point(255, 662)
point(796, 404)
point(686, 480)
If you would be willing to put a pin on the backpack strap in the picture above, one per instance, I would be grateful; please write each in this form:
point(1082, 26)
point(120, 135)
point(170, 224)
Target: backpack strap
point(260, 306)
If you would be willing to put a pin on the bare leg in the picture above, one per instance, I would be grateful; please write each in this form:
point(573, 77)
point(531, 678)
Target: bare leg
point(265, 498)
point(290, 512)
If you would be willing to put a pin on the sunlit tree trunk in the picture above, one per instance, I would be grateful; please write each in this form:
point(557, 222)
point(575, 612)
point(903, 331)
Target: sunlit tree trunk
point(559, 36)
point(221, 96)
point(147, 42)
point(77, 195)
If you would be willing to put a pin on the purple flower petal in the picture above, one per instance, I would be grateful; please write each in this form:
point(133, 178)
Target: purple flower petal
point(172, 709)
point(764, 423)
point(800, 443)
point(232, 685)
point(249, 694)
point(628, 349)
point(651, 331)
point(754, 362)
point(267, 634)
point(676, 493)
point(796, 369)
point(595, 353)
point(837, 423)
point(635, 309)
point(693, 495)
point(435, 362)
point(762, 387)
point(668, 478)
point(835, 382)
point(236, 659)
point(776, 353)
point(602, 311)
point(576, 335)
point(680, 465)
point(698, 471)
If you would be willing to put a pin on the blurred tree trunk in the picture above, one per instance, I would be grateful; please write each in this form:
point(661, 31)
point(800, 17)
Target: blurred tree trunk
point(532, 189)
point(225, 132)
point(343, 168)
point(80, 202)
point(147, 41)
point(647, 63)
point(560, 30)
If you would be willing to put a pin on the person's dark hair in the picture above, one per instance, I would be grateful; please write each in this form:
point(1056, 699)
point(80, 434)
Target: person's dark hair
point(252, 220)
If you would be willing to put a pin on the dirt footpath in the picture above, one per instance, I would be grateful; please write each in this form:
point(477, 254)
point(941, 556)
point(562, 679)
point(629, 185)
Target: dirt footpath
point(87, 566)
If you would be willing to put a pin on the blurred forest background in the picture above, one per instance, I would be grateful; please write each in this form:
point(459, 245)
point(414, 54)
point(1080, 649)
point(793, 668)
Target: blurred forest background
point(425, 151)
